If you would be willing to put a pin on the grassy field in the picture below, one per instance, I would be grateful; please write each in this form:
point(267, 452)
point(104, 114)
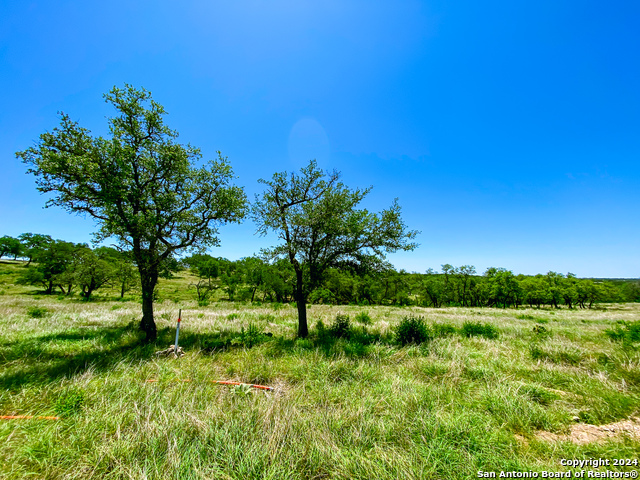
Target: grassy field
point(362, 406)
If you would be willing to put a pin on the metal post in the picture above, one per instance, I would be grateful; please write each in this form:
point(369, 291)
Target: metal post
point(175, 350)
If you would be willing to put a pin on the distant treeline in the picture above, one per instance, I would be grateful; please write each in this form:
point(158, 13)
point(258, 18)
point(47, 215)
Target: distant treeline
point(56, 264)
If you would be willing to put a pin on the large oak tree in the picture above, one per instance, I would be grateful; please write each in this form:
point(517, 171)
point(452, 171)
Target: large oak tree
point(317, 219)
point(151, 193)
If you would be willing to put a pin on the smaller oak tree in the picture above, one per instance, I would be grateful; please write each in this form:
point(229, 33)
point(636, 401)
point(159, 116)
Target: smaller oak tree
point(316, 218)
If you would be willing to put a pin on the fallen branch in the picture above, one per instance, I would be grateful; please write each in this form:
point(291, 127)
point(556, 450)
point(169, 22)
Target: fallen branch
point(171, 351)
point(222, 382)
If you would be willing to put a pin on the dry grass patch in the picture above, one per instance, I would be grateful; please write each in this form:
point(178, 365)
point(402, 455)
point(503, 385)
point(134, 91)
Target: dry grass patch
point(582, 434)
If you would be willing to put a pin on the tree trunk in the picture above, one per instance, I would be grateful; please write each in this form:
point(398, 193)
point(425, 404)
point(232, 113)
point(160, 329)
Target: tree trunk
point(148, 282)
point(301, 302)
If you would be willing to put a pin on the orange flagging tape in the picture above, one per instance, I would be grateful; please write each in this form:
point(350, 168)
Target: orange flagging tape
point(15, 417)
point(223, 382)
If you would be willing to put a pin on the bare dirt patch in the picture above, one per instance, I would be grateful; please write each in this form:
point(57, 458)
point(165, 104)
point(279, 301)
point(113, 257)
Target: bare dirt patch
point(584, 433)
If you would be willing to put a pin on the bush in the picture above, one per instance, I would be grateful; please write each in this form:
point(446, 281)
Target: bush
point(363, 317)
point(341, 328)
point(412, 330)
point(37, 312)
point(321, 330)
point(69, 403)
point(542, 331)
point(478, 329)
point(248, 338)
point(625, 332)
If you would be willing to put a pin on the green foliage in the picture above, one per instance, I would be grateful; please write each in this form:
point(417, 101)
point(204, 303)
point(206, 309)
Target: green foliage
point(503, 287)
point(322, 295)
point(139, 185)
point(37, 312)
point(56, 262)
point(33, 243)
point(628, 332)
point(341, 327)
point(10, 246)
point(364, 318)
point(249, 337)
point(69, 403)
point(479, 329)
point(541, 331)
point(412, 330)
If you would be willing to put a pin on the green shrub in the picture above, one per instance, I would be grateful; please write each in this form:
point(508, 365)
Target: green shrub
point(37, 312)
point(363, 317)
point(478, 329)
point(69, 402)
point(541, 331)
point(321, 330)
point(249, 337)
point(412, 330)
point(625, 331)
point(633, 331)
point(341, 328)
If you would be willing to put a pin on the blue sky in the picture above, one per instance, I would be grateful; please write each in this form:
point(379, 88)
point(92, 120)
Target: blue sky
point(509, 131)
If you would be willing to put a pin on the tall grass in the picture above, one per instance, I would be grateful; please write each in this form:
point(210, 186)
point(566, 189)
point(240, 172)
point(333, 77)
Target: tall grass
point(356, 405)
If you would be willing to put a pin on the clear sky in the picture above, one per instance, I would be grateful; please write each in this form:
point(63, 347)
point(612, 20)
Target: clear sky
point(509, 131)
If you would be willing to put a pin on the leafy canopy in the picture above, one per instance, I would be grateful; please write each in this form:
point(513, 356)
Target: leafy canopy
point(141, 186)
point(320, 226)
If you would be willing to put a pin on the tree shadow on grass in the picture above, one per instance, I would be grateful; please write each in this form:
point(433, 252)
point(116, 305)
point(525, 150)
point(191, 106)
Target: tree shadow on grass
point(41, 360)
point(357, 343)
